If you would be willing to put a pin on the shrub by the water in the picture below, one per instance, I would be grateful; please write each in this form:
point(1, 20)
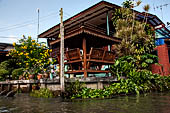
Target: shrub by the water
point(43, 92)
point(17, 72)
point(3, 73)
point(33, 56)
point(132, 79)
point(6, 68)
point(135, 83)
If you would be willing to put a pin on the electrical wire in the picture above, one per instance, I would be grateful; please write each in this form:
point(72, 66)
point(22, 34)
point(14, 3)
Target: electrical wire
point(9, 37)
point(34, 21)
point(6, 37)
point(26, 23)
point(30, 21)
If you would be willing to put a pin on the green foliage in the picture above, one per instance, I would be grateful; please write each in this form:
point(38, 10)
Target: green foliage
point(135, 82)
point(137, 37)
point(73, 89)
point(4, 65)
point(120, 14)
point(133, 75)
point(125, 64)
point(17, 72)
point(7, 67)
point(4, 70)
point(3, 73)
point(127, 4)
point(33, 56)
point(90, 93)
point(43, 92)
point(78, 90)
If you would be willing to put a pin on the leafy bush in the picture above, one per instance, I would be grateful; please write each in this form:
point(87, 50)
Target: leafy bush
point(73, 89)
point(3, 73)
point(125, 64)
point(91, 93)
point(8, 65)
point(4, 65)
point(137, 76)
point(43, 92)
point(136, 82)
point(33, 56)
point(17, 72)
point(136, 37)
point(132, 79)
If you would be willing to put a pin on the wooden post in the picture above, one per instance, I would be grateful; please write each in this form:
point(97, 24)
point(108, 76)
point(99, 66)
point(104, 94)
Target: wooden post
point(62, 52)
point(107, 16)
point(18, 87)
point(29, 87)
point(1, 88)
point(9, 87)
point(85, 57)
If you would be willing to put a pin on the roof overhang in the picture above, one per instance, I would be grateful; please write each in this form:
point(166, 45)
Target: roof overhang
point(98, 12)
point(4, 45)
point(89, 15)
point(87, 31)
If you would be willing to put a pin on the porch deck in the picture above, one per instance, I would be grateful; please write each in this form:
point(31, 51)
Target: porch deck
point(95, 60)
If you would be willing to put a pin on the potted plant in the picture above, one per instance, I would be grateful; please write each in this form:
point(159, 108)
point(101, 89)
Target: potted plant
point(45, 73)
point(31, 74)
point(34, 86)
point(39, 76)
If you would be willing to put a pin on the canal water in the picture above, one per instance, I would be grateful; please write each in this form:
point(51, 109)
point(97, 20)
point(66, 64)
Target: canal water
point(148, 103)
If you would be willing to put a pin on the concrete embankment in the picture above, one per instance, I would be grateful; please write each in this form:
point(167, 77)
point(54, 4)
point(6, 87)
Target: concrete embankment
point(26, 85)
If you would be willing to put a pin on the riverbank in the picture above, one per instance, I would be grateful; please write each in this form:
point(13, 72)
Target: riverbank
point(148, 103)
point(54, 84)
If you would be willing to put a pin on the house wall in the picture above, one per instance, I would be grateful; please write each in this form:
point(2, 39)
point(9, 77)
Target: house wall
point(163, 60)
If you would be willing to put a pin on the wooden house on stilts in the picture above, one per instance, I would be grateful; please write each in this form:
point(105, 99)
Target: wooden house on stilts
point(89, 39)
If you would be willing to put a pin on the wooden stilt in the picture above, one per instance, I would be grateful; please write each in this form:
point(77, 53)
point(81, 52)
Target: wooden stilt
point(18, 87)
point(29, 87)
point(1, 88)
point(9, 87)
point(85, 57)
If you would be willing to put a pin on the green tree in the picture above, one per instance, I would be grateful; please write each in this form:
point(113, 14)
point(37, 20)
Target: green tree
point(33, 56)
point(134, 35)
point(6, 68)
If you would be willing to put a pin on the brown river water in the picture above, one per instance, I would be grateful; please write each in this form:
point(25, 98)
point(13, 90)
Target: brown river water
point(145, 103)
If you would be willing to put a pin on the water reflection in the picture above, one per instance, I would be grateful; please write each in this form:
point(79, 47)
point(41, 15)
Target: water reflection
point(148, 103)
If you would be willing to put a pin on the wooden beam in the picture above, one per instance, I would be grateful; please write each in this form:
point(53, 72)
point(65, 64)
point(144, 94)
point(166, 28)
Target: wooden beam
point(86, 18)
point(85, 57)
point(53, 29)
point(88, 71)
point(88, 31)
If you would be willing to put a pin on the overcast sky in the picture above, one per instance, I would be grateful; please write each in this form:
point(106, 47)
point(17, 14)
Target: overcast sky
point(19, 17)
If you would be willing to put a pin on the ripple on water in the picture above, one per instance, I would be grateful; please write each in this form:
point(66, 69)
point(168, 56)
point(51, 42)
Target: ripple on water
point(4, 110)
point(150, 103)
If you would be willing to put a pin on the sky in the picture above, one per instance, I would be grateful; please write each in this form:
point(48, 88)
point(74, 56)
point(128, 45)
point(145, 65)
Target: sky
point(19, 17)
